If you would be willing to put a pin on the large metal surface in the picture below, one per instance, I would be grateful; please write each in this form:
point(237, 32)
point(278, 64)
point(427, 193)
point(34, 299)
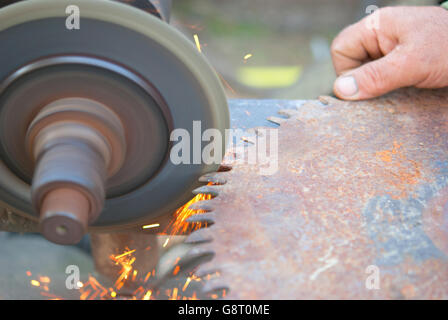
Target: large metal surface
point(359, 184)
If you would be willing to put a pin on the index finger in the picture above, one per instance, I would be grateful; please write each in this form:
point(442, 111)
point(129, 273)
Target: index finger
point(359, 43)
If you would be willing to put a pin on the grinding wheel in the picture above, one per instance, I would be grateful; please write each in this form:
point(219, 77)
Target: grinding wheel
point(122, 63)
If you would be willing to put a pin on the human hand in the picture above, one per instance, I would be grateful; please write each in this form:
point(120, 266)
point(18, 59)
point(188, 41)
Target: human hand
point(407, 47)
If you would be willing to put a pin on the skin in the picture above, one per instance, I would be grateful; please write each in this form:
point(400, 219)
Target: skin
point(407, 46)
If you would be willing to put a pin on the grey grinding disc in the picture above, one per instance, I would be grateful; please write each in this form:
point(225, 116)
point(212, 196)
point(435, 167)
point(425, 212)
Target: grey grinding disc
point(186, 87)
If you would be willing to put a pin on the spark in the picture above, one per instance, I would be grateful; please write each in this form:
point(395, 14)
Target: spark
point(176, 270)
point(226, 84)
point(94, 295)
point(174, 296)
point(49, 295)
point(186, 284)
point(84, 295)
point(198, 44)
point(35, 283)
point(179, 225)
point(139, 290)
point(247, 56)
point(147, 277)
point(124, 254)
point(147, 295)
point(150, 226)
point(93, 290)
point(197, 27)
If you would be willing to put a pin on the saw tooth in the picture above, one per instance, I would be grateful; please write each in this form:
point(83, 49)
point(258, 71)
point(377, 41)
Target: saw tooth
point(208, 217)
point(326, 100)
point(277, 120)
point(170, 259)
point(215, 178)
point(204, 205)
point(199, 237)
point(209, 190)
point(207, 273)
point(225, 168)
point(258, 131)
point(202, 235)
point(215, 286)
point(287, 113)
point(308, 104)
point(199, 251)
point(251, 140)
point(208, 270)
point(196, 256)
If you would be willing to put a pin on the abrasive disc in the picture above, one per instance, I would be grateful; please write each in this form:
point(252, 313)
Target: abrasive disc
point(139, 66)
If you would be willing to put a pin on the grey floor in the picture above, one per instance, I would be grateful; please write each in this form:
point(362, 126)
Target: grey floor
point(22, 253)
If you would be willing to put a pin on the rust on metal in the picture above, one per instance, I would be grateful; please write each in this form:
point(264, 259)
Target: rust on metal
point(359, 184)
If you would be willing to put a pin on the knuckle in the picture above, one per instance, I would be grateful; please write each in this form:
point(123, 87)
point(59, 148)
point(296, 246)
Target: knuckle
point(337, 44)
point(387, 12)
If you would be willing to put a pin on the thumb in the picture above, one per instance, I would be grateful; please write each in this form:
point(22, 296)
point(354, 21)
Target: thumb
point(374, 79)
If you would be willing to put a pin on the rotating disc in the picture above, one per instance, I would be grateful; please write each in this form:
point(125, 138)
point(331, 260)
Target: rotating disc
point(137, 65)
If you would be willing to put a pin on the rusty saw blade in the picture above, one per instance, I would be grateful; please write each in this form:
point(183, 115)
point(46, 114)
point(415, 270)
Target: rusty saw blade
point(356, 209)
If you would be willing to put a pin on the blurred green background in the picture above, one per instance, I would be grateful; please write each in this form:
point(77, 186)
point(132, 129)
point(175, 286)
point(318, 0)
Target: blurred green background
point(272, 48)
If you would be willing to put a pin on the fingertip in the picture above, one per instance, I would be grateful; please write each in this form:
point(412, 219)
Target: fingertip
point(346, 87)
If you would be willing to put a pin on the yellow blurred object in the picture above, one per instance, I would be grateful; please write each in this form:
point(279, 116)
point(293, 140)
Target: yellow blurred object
point(269, 77)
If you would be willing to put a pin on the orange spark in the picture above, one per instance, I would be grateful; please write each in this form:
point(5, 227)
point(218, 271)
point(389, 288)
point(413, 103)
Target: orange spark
point(176, 270)
point(124, 254)
point(179, 225)
point(174, 296)
point(147, 277)
point(186, 284)
point(92, 289)
point(226, 84)
point(49, 295)
point(44, 279)
point(84, 295)
point(147, 295)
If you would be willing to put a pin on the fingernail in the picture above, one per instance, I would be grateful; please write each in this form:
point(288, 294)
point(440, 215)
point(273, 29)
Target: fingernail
point(347, 86)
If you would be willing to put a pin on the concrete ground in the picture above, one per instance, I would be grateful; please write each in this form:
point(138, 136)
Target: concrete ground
point(20, 254)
